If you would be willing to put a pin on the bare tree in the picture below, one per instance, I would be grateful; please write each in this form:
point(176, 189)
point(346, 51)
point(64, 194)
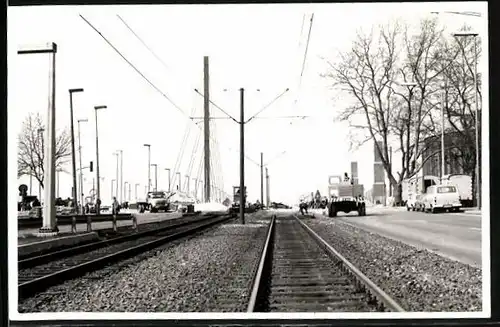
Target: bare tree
point(459, 94)
point(370, 74)
point(30, 157)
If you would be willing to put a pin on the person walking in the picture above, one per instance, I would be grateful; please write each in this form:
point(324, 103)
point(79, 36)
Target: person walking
point(115, 206)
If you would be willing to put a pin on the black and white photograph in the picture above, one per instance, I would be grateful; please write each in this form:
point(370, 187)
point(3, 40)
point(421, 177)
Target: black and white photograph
point(248, 161)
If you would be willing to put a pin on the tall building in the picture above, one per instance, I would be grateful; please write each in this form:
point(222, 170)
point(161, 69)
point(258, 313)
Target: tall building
point(456, 155)
point(379, 187)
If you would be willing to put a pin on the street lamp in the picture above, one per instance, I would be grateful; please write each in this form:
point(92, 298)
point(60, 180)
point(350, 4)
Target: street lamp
point(169, 186)
point(122, 192)
point(80, 155)
point(49, 215)
point(117, 173)
point(112, 183)
point(40, 135)
point(98, 200)
point(125, 191)
point(465, 13)
point(136, 184)
point(478, 184)
point(73, 159)
point(156, 176)
point(149, 167)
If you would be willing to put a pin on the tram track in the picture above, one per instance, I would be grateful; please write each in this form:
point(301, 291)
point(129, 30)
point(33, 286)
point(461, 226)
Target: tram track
point(36, 274)
point(300, 272)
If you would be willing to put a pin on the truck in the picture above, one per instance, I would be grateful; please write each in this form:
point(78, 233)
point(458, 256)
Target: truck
point(464, 186)
point(155, 201)
point(417, 185)
point(345, 196)
point(235, 206)
point(414, 186)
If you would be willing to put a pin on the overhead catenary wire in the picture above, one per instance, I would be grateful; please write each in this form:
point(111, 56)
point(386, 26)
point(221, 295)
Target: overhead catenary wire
point(134, 67)
point(144, 77)
point(214, 104)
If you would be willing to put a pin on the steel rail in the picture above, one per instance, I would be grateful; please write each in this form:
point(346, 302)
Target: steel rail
point(258, 275)
point(376, 291)
point(34, 286)
point(32, 261)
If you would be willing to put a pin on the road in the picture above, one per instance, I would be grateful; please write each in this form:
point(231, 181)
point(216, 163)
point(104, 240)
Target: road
point(453, 235)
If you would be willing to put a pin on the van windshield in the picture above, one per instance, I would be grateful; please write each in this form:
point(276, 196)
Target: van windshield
point(446, 189)
point(157, 195)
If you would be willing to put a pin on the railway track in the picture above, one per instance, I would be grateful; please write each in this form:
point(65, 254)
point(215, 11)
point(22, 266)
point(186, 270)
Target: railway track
point(300, 272)
point(36, 274)
point(107, 237)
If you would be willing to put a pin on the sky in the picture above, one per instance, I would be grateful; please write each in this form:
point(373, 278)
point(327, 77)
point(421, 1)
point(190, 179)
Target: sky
point(255, 47)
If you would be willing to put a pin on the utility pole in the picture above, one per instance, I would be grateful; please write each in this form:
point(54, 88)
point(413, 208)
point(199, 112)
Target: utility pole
point(262, 179)
point(149, 168)
point(156, 177)
point(206, 124)
point(390, 165)
point(80, 159)
point(73, 154)
point(98, 199)
point(242, 155)
point(267, 188)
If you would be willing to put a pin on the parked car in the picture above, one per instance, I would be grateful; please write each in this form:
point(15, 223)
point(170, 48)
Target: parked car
point(441, 198)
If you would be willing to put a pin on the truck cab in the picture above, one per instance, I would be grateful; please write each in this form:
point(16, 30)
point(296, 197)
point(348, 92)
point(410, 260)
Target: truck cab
point(345, 196)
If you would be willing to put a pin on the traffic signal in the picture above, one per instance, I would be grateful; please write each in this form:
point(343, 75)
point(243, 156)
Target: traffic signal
point(91, 166)
point(23, 190)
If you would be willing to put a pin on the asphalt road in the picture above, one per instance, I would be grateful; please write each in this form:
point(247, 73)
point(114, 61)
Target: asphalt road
point(453, 235)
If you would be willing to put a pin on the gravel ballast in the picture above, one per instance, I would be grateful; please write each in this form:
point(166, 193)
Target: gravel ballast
point(193, 275)
point(418, 279)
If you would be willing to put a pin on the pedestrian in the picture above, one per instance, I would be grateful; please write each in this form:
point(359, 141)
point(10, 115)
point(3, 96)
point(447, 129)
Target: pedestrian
point(116, 206)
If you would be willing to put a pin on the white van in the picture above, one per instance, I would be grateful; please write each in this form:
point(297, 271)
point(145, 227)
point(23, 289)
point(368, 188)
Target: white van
point(441, 197)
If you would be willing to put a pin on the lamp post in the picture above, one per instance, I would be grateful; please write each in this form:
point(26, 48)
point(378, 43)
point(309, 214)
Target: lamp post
point(98, 199)
point(112, 183)
point(156, 177)
point(40, 135)
point(477, 126)
point(125, 191)
point(169, 186)
point(179, 185)
point(122, 192)
point(73, 155)
point(49, 211)
point(149, 167)
point(80, 159)
point(117, 174)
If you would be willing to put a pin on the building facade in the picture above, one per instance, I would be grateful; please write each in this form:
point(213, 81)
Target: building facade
point(458, 156)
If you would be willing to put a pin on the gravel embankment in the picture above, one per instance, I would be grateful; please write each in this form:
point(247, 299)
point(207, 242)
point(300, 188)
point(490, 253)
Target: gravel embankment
point(418, 279)
point(188, 275)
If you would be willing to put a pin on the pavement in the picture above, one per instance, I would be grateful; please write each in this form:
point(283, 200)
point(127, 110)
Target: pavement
point(456, 236)
point(142, 218)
